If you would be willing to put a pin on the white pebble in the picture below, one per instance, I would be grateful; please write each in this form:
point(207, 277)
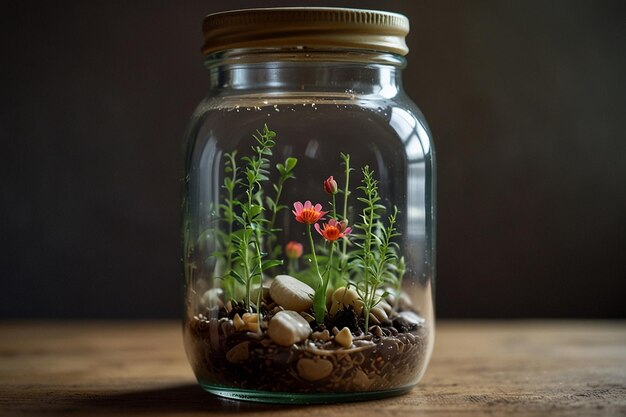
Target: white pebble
point(343, 298)
point(287, 328)
point(291, 294)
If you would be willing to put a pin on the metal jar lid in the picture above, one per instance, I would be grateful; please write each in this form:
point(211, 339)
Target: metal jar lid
point(307, 27)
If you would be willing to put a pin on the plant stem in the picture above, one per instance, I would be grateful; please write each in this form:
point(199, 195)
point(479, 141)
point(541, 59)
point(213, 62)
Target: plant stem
point(367, 252)
point(346, 190)
point(329, 267)
point(230, 290)
point(274, 209)
point(272, 236)
point(315, 264)
point(247, 271)
point(346, 193)
point(260, 294)
point(319, 298)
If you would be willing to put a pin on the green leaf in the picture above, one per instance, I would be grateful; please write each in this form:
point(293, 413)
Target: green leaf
point(255, 210)
point(270, 263)
point(281, 169)
point(237, 277)
point(290, 164)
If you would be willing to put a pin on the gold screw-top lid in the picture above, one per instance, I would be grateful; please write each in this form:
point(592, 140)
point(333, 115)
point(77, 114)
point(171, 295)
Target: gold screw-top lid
point(309, 27)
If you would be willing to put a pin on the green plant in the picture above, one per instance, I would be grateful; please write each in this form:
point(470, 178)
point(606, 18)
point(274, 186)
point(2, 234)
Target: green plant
point(248, 242)
point(244, 215)
point(231, 182)
point(343, 257)
point(376, 258)
point(285, 172)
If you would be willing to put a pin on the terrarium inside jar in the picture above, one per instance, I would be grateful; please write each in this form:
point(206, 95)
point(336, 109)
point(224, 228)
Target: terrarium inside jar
point(308, 224)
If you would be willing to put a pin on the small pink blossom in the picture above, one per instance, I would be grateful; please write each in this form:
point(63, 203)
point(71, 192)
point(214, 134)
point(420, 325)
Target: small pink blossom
point(333, 230)
point(307, 213)
point(330, 185)
point(293, 250)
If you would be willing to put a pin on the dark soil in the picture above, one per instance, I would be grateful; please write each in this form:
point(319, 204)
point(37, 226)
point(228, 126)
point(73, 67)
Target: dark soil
point(390, 355)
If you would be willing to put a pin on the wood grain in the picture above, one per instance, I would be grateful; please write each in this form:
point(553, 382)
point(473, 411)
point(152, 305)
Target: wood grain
point(531, 368)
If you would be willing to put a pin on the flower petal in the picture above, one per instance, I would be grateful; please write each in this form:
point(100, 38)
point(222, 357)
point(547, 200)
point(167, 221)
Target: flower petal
point(317, 227)
point(318, 207)
point(298, 206)
point(307, 204)
point(347, 231)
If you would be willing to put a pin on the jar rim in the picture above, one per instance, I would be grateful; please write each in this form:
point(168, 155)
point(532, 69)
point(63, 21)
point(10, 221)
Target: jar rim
point(306, 27)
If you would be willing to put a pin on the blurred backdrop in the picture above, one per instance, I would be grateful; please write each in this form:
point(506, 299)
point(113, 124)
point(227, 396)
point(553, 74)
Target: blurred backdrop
point(526, 101)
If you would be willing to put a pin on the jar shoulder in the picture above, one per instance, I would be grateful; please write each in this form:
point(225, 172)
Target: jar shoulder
point(226, 119)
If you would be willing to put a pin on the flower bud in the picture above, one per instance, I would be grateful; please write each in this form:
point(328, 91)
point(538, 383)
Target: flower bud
point(293, 250)
point(330, 185)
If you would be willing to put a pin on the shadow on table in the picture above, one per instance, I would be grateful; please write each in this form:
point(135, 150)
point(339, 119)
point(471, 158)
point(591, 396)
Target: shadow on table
point(179, 399)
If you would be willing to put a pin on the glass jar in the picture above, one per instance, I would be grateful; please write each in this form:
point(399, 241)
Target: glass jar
point(308, 210)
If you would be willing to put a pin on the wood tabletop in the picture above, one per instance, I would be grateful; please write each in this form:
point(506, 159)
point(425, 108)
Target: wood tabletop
point(517, 368)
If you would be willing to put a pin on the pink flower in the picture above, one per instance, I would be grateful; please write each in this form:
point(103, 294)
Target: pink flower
point(330, 185)
point(333, 230)
point(293, 250)
point(308, 213)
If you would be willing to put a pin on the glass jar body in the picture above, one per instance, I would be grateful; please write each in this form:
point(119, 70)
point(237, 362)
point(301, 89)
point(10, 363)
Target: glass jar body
point(359, 270)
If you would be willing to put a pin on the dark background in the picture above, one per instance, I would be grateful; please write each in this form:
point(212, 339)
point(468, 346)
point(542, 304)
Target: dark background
point(526, 101)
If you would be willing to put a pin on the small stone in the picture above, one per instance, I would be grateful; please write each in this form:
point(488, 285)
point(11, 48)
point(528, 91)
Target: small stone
point(385, 306)
point(412, 317)
point(309, 318)
point(373, 319)
point(277, 309)
point(364, 343)
point(212, 298)
point(376, 331)
point(238, 353)
point(239, 324)
point(314, 370)
point(251, 322)
point(323, 336)
point(288, 327)
point(379, 313)
point(292, 294)
point(343, 298)
point(344, 337)
point(407, 321)
point(361, 381)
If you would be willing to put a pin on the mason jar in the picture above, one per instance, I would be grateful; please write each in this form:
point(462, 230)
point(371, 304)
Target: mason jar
point(308, 210)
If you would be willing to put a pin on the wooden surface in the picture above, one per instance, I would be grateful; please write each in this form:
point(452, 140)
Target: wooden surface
point(478, 368)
